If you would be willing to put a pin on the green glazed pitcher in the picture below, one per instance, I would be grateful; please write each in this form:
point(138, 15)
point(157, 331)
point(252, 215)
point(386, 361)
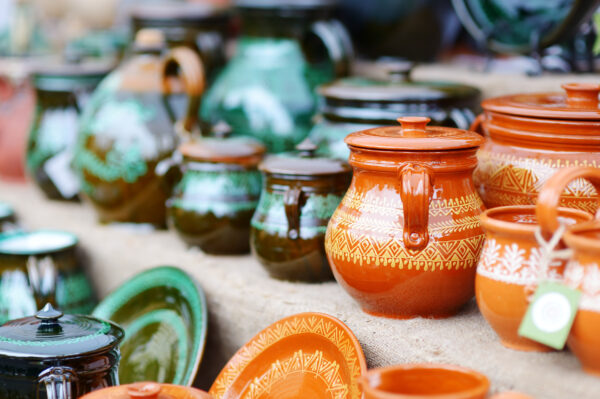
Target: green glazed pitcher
point(129, 126)
point(287, 48)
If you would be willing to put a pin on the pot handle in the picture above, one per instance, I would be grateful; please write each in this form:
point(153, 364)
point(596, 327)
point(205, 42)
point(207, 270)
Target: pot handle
point(477, 125)
point(416, 195)
point(337, 41)
point(292, 202)
point(59, 382)
point(549, 198)
point(192, 74)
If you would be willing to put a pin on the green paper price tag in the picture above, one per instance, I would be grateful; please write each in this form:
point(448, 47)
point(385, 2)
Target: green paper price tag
point(551, 314)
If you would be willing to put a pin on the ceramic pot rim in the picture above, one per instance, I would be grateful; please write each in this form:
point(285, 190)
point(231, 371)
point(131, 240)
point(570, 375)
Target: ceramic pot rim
point(576, 241)
point(480, 390)
point(71, 241)
point(489, 223)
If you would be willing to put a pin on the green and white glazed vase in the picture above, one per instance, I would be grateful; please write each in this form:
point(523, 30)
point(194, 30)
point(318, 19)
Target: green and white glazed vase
point(129, 126)
point(42, 267)
point(215, 199)
point(286, 50)
point(300, 193)
point(62, 91)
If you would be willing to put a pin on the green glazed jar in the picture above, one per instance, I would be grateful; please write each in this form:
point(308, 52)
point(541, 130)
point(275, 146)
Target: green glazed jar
point(212, 205)
point(358, 103)
point(300, 193)
point(129, 126)
point(56, 356)
point(287, 48)
point(62, 91)
point(40, 267)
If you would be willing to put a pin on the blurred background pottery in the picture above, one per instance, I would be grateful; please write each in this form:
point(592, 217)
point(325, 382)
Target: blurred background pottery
point(522, 26)
point(508, 271)
point(163, 312)
point(286, 49)
point(39, 267)
point(62, 90)
point(211, 207)
point(148, 390)
point(300, 193)
point(406, 238)
point(128, 127)
point(200, 26)
point(56, 356)
point(306, 355)
point(532, 136)
point(7, 218)
point(387, 27)
point(358, 103)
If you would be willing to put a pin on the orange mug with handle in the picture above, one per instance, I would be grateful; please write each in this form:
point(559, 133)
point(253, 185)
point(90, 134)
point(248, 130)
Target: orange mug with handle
point(429, 381)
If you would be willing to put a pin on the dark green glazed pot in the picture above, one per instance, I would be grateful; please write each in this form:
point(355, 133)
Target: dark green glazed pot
point(212, 205)
point(129, 126)
point(300, 193)
point(7, 218)
point(287, 48)
point(358, 103)
point(40, 267)
point(522, 26)
point(61, 92)
point(56, 356)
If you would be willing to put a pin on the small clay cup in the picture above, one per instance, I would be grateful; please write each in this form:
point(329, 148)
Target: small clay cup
point(428, 381)
point(582, 271)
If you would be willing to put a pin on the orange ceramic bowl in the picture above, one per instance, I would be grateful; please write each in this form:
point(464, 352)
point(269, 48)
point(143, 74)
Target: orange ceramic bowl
point(507, 270)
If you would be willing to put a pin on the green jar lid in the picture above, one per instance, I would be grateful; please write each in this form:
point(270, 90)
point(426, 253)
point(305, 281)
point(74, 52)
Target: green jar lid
point(36, 242)
point(51, 334)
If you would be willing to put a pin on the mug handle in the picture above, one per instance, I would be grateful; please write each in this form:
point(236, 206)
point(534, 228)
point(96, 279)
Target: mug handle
point(60, 382)
point(291, 200)
point(477, 125)
point(416, 195)
point(192, 74)
point(549, 198)
point(337, 41)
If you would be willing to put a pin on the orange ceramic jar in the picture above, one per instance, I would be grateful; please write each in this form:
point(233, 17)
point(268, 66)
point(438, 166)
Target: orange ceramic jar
point(406, 238)
point(148, 390)
point(530, 137)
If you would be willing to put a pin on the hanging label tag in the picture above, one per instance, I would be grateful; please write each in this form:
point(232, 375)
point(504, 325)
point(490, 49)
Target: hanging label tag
point(58, 169)
point(551, 314)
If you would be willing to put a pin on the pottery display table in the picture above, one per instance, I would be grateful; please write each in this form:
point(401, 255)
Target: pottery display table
point(242, 299)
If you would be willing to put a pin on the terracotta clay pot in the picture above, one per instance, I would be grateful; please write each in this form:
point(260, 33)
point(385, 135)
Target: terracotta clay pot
point(582, 272)
point(507, 273)
point(428, 381)
point(406, 238)
point(530, 137)
point(148, 390)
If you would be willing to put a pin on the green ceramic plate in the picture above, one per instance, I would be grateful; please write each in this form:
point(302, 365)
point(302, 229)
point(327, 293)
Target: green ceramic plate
point(163, 312)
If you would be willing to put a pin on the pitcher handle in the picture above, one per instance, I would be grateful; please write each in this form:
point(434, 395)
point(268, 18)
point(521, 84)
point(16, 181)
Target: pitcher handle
point(477, 125)
point(292, 202)
point(192, 74)
point(549, 198)
point(336, 40)
point(416, 194)
point(60, 382)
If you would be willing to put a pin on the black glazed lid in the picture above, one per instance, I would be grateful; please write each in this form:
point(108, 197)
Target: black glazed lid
point(383, 100)
point(50, 334)
point(303, 163)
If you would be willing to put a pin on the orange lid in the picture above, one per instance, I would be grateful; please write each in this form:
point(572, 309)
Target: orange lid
point(413, 134)
point(580, 101)
point(148, 390)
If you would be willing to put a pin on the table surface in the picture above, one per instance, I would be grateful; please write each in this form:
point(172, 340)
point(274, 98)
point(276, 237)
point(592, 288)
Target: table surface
point(242, 299)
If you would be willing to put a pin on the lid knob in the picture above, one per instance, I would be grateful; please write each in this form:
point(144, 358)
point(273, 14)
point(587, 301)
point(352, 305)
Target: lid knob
point(398, 69)
point(147, 390)
point(148, 38)
point(221, 130)
point(414, 125)
point(306, 149)
point(582, 95)
point(48, 314)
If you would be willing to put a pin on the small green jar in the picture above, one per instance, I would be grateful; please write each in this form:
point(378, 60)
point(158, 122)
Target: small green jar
point(40, 267)
point(7, 218)
point(212, 205)
point(62, 90)
point(300, 193)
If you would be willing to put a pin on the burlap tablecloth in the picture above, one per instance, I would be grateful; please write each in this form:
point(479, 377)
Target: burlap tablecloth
point(242, 299)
